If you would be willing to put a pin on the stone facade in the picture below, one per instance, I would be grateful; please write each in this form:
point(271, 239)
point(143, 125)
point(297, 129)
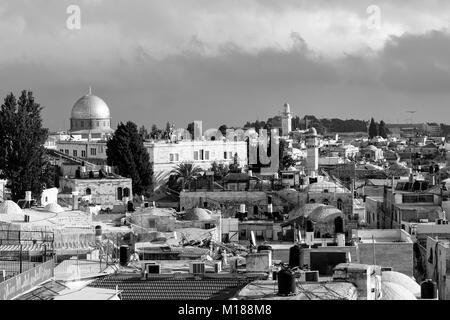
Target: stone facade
point(165, 156)
point(107, 191)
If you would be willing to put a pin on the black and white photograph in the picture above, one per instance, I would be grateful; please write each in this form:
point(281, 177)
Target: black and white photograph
point(230, 158)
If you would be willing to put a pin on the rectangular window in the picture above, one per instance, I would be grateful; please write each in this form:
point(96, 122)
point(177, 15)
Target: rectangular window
point(206, 155)
point(177, 157)
point(230, 155)
point(225, 155)
point(195, 155)
point(66, 151)
point(171, 157)
point(75, 153)
point(93, 151)
point(202, 154)
point(83, 153)
point(61, 150)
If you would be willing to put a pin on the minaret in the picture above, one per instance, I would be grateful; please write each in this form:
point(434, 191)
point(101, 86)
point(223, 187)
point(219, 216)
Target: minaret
point(286, 120)
point(312, 152)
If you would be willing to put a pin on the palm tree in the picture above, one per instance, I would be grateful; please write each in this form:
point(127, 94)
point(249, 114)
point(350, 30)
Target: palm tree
point(185, 172)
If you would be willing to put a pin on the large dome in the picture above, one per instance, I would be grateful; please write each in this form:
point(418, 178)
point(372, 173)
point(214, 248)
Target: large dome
point(90, 107)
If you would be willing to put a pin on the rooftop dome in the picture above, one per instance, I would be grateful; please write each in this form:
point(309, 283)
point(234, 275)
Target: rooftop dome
point(402, 280)
point(90, 107)
point(198, 214)
point(394, 291)
point(10, 207)
point(54, 208)
point(325, 213)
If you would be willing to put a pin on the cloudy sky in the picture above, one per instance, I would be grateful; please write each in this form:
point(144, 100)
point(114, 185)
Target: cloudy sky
point(229, 61)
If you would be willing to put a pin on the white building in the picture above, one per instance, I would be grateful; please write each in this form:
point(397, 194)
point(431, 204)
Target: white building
point(83, 149)
point(165, 156)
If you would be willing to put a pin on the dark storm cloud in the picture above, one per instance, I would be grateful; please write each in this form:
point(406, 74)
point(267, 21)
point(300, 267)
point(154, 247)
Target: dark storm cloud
point(228, 61)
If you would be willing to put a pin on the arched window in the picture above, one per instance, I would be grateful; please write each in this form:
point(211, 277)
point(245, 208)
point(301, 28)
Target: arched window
point(88, 191)
point(126, 192)
point(119, 193)
point(339, 204)
point(312, 201)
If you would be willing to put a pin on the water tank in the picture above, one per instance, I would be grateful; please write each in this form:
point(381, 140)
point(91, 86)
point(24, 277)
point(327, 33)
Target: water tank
point(428, 289)
point(286, 283)
point(124, 255)
point(98, 231)
point(264, 247)
point(294, 256)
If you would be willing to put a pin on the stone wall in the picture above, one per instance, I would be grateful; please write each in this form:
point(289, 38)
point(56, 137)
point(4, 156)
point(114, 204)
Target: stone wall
point(103, 191)
point(399, 256)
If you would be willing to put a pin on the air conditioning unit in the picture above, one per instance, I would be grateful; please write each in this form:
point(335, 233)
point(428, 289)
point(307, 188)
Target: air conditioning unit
point(309, 276)
point(197, 268)
point(152, 268)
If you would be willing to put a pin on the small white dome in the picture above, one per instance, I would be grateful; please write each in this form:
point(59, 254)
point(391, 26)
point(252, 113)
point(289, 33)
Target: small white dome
point(10, 207)
point(54, 208)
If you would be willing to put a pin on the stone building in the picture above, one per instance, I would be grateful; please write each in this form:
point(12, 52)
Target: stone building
point(109, 190)
point(166, 155)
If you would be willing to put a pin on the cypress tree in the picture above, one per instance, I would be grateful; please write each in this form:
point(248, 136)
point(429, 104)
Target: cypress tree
point(373, 131)
point(23, 159)
point(382, 130)
point(126, 151)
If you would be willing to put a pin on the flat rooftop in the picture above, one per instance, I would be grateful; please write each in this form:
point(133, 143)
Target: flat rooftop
point(268, 289)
